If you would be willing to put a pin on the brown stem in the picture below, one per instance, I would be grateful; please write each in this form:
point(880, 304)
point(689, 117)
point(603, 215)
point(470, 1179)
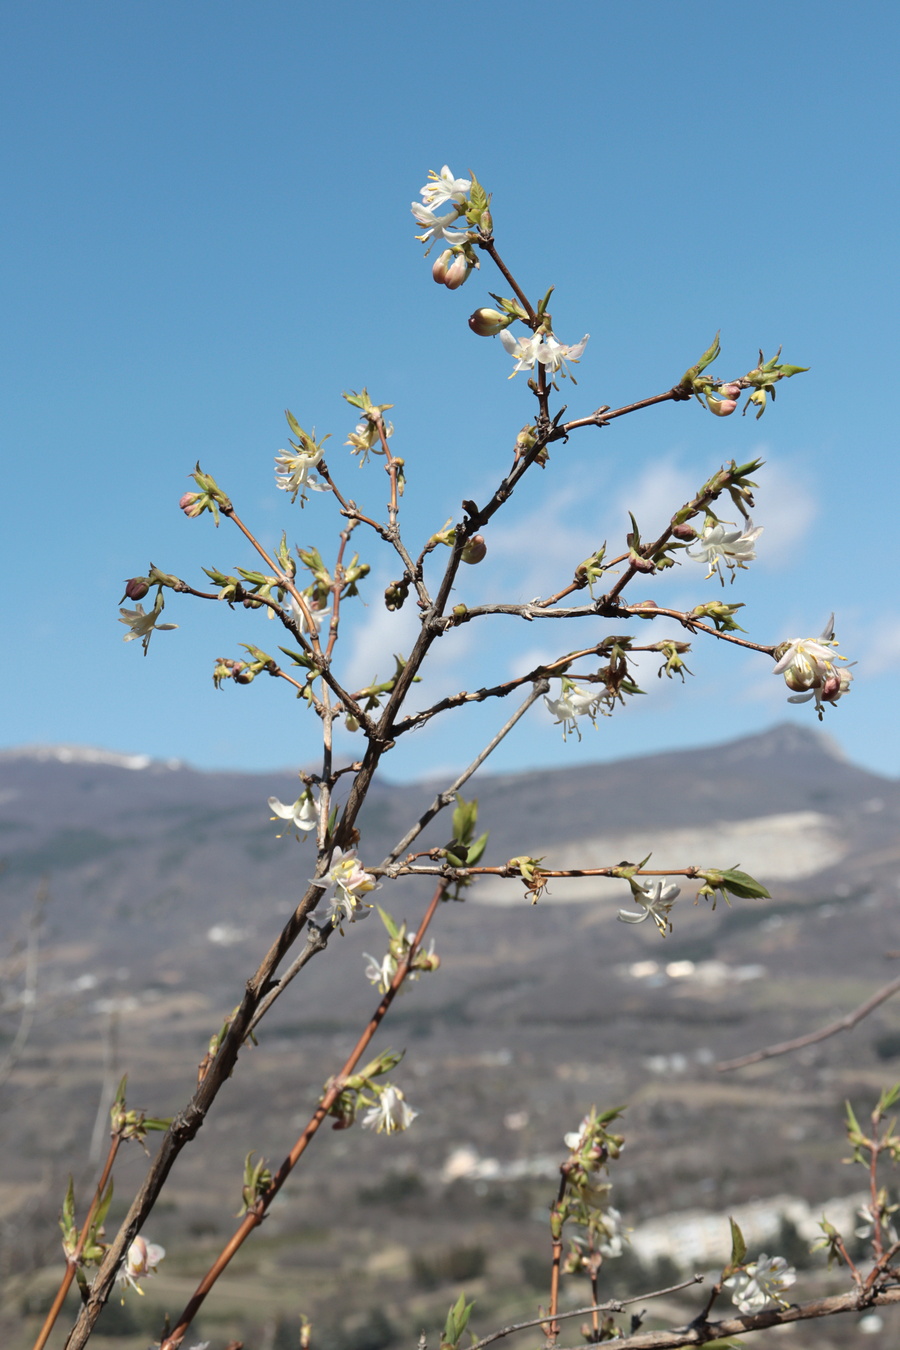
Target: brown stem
point(842, 1024)
point(256, 1215)
point(72, 1259)
point(487, 244)
point(604, 415)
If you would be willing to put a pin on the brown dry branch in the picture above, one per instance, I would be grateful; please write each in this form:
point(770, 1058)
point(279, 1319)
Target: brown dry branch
point(812, 1037)
point(672, 1339)
point(257, 1212)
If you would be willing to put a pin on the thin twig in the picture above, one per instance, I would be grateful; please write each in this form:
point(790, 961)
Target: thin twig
point(447, 796)
point(842, 1024)
point(613, 1305)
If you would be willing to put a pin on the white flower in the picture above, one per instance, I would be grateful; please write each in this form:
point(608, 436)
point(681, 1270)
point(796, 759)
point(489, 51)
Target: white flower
point(554, 355)
point(350, 882)
point(656, 899)
point(390, 1112)
point(761, 1283)
point(576, 1139)
point(547, 350)
point(381, 973)
point(437, 227)
point(143, 625)
point(613, 1243)
point(141, 1260)
point(443, 187)
point(523, 350)
point(573, 702)
point(316, 615)
point(302, 814)
point(293, 471)
point(734, 548)
point(867, 1228)
point(808, 667)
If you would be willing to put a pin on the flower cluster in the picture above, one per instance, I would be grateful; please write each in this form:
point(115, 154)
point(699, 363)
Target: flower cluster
point(349, 882)
point(734, 548)
point(381, 972)
point(761, 1283)
point(442, 189)
point(545, 349)
point(808, 667)
point(573, 702)
point(293, 468)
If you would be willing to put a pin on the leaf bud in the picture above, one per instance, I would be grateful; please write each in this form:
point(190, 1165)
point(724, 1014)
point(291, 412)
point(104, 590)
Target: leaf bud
point(136, 588)
point(475, 550)
point(488, 322)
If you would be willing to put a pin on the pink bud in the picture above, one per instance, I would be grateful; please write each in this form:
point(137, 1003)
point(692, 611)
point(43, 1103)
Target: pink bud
point(474, 550)
point(640, 564)
point(684, 532)
point(457, 272)
point(831, 688)
point(729, 390)
point(189, 504)
point(136, 588)
point(440, 266)
point(722, 407)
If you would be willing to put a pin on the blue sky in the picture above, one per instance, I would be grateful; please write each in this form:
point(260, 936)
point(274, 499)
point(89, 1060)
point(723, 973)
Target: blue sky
point(207, 221)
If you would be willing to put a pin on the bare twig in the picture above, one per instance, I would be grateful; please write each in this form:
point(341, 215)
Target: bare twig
point(448, 795)
point(613, 1305)
point(842, 1024)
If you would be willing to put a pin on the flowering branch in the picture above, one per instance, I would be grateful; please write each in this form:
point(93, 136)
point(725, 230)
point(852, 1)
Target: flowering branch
point(257, 1212)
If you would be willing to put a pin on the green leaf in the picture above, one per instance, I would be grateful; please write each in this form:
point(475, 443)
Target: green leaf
point(477, 849)
point(744, 886)
point(103, 1206)
point(388, 922)
point(738, 1245)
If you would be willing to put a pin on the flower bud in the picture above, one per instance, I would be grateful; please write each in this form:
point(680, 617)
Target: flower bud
point(457, 272)
point(722, 407)
point(189, 504)
point(684, 531)
point(731, 390)
point(440, 265)
point(488, 322)
point(136, 588)
point(640, 564)
point(351, 723)
point(475, 549)
point(799, 680)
